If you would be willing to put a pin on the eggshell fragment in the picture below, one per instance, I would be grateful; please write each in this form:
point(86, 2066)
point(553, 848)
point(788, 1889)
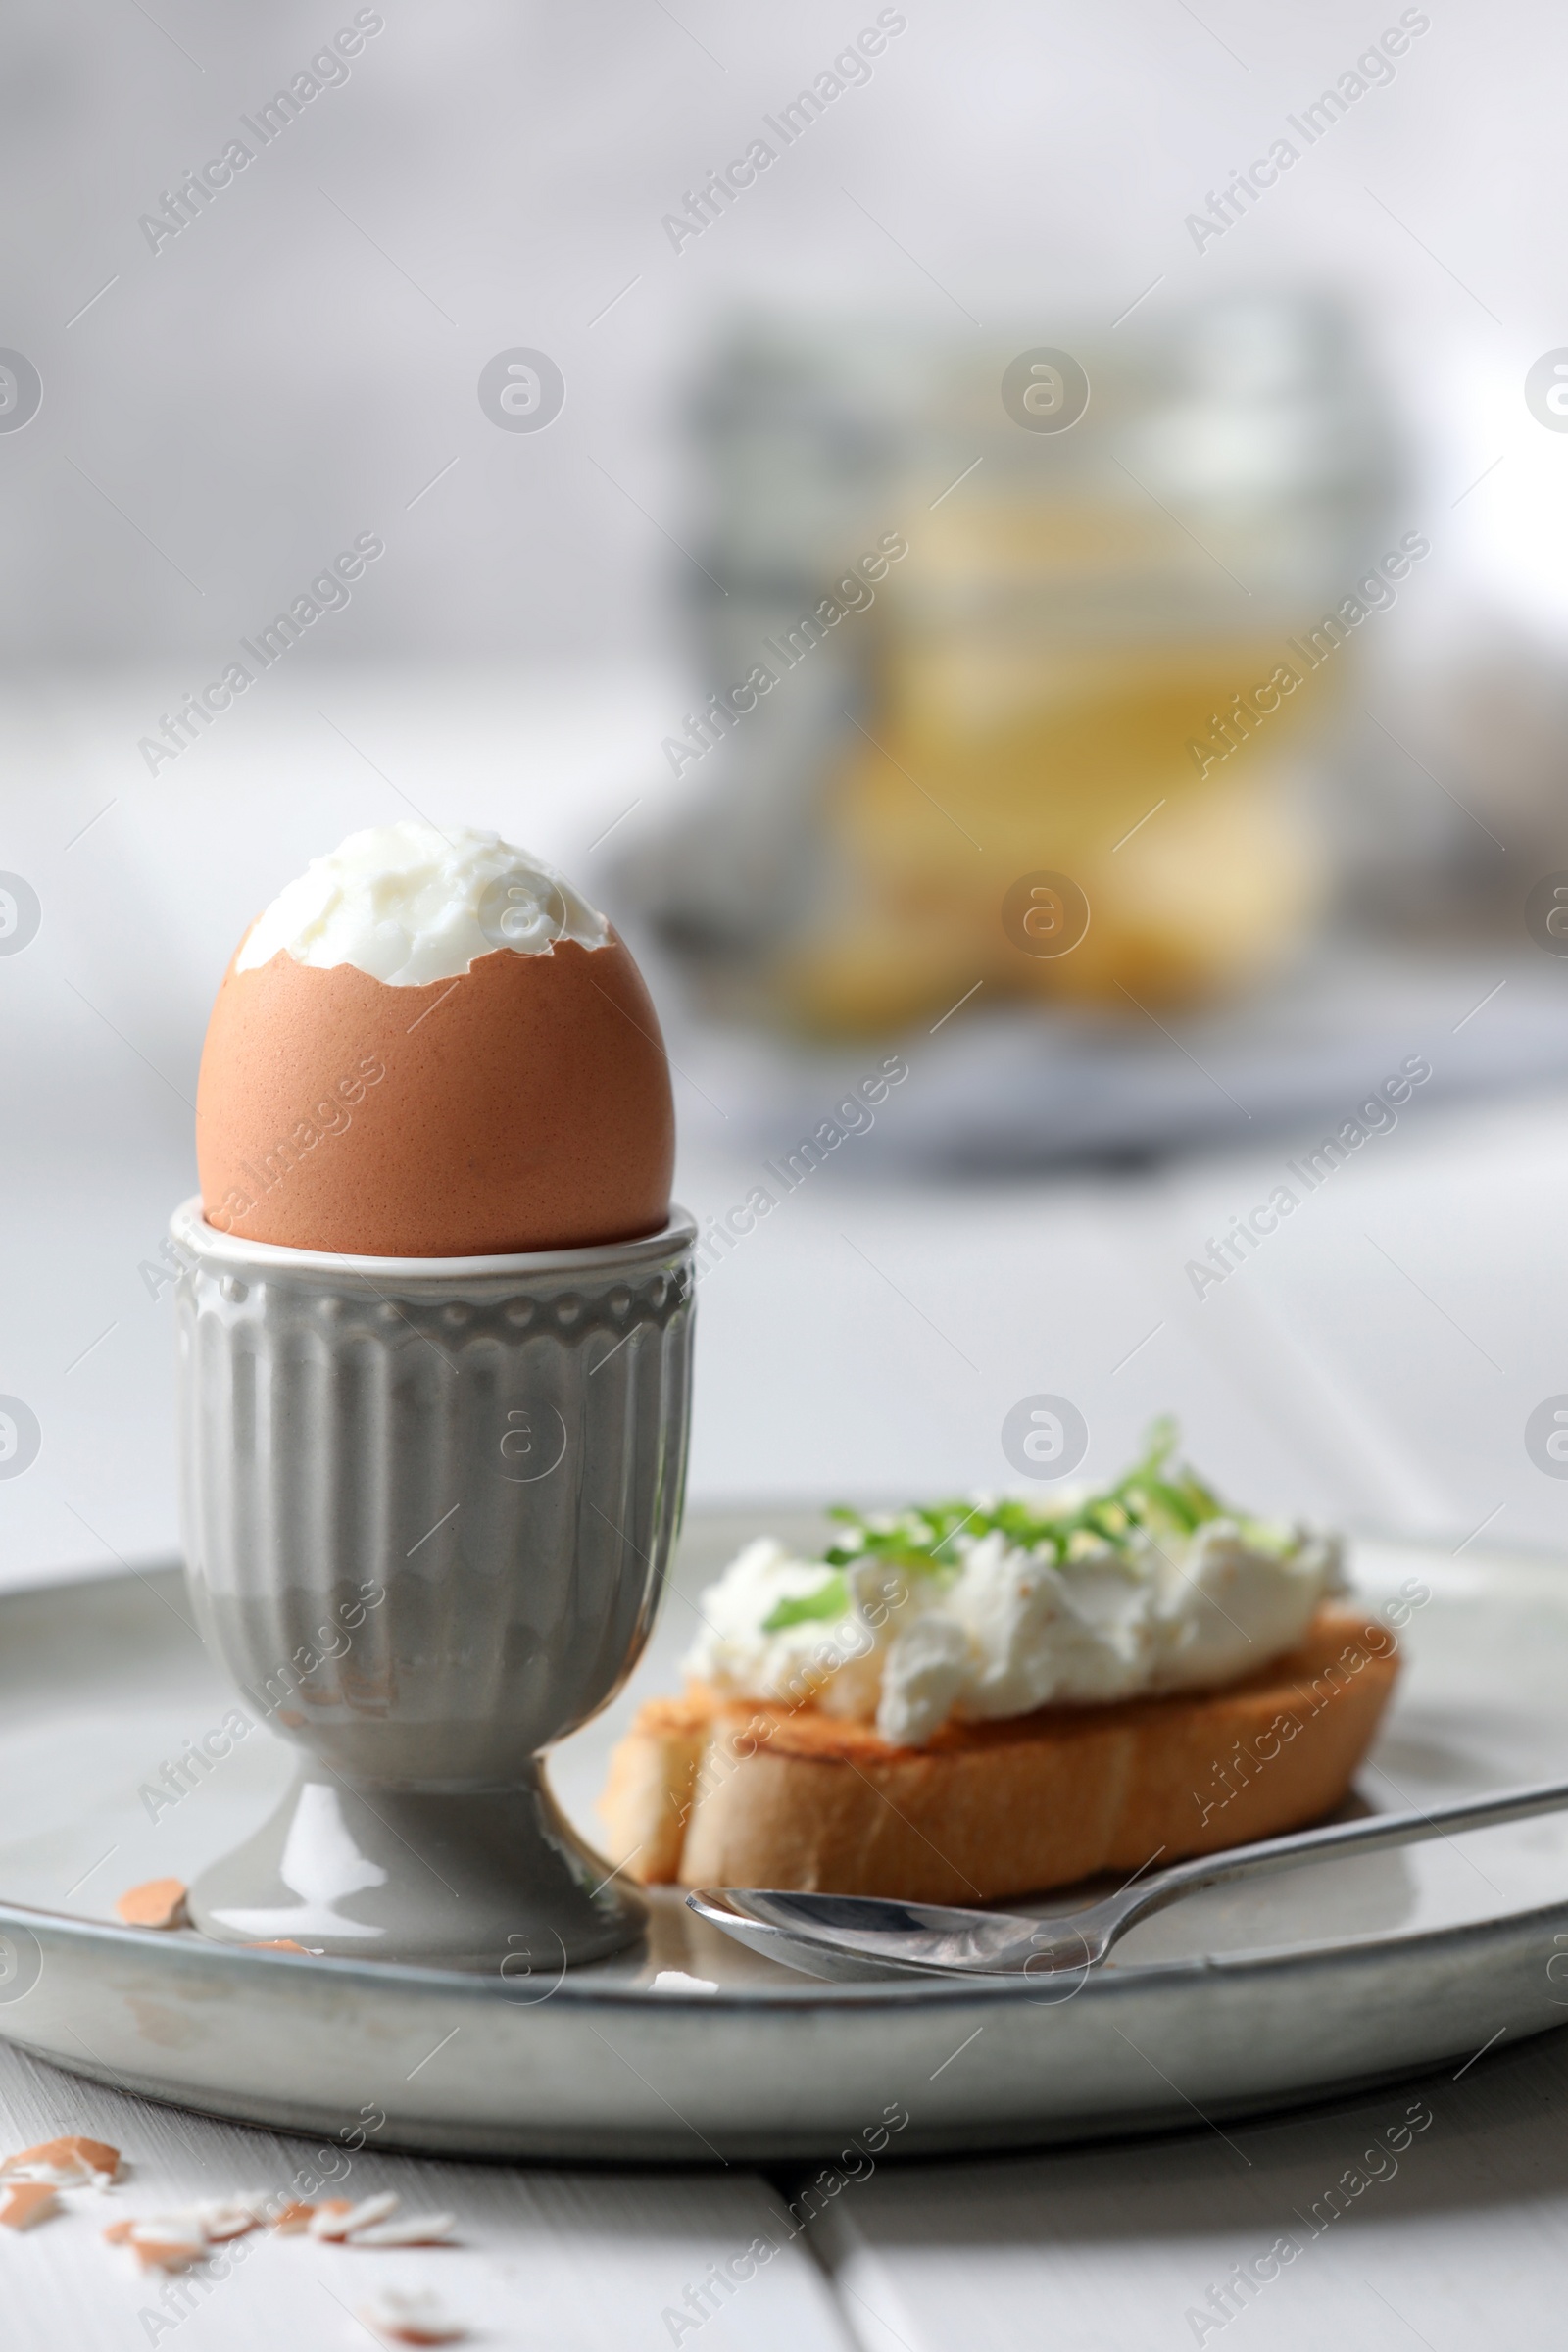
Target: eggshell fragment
point(224, 2218)
point(156, 1903)
point(328, 2211)
point(406, 2229)
point(411, 2314)
point(69, 2163)
point(294, 2219)
point(25, 2202)
point(335, 2221)
point(170, 2242)
point(523, 1106)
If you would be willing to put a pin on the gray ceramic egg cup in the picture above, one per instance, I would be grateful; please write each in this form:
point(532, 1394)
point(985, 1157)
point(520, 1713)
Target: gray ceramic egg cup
point(429, 1504)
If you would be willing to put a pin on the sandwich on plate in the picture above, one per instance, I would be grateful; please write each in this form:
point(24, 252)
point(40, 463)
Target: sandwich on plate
point(991, 1696)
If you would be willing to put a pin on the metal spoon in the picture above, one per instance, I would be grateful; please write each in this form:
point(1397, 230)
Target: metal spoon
point(853, 1935)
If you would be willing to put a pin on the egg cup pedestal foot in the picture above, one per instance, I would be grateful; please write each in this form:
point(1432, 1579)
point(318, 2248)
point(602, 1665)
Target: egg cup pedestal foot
point(494, 1882)
point(428, 1505)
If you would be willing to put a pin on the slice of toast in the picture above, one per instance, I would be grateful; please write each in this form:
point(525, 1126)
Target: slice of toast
point(715, 1791)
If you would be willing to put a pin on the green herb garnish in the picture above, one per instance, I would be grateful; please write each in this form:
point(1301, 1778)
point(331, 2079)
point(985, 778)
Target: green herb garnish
point(1154, 1499)
point(829, 1600)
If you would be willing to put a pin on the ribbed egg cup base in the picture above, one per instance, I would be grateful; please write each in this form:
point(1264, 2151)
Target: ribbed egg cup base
point(493, 1882)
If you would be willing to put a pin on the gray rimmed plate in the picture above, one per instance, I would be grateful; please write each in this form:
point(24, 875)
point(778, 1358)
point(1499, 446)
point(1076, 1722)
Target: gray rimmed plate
point(1237, 2000)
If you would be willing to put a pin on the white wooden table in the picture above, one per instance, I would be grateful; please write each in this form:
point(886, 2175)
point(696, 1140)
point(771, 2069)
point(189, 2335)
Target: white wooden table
point(1457, 2240)
point(549, 2260)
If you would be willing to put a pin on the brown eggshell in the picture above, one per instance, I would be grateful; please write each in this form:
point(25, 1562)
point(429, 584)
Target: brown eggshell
point(25, 2202)
point(522, 1105)
point(155, 1904)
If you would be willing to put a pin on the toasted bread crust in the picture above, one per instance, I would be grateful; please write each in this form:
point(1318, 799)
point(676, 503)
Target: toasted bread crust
point(705, 1791)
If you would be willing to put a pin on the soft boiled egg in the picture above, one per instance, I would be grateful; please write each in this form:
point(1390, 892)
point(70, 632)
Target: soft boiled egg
point(430, 1046)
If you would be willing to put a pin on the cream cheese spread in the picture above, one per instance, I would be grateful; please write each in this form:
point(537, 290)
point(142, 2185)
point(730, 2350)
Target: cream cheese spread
point(985, 1608)
point(408, 904)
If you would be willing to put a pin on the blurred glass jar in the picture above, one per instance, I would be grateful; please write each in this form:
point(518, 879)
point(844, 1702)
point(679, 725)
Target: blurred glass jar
point(1003, 637)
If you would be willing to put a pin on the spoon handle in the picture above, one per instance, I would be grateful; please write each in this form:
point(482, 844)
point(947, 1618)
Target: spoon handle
point(1371, 1836)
